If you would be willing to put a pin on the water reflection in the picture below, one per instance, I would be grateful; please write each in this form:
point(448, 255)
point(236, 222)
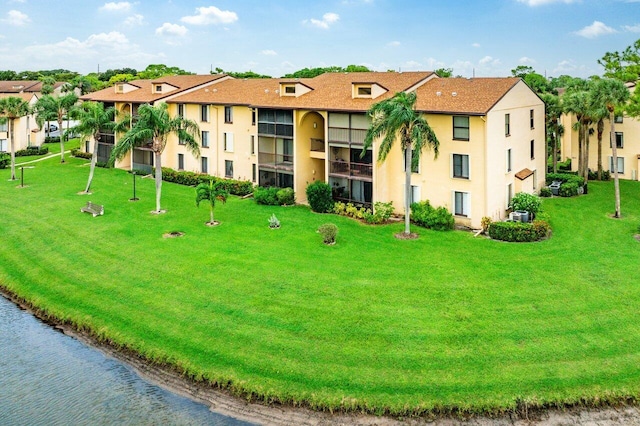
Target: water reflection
point(48, 378)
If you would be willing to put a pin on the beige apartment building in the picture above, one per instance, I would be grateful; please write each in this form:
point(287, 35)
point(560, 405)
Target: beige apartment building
point(291, 132)
point(627, 135)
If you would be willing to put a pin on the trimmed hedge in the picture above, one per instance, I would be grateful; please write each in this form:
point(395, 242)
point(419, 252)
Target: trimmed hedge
point(32, 150)
point(565, 177)
point(235, 187)
point(80, 154)
point(519, 232)
point(52, 139)
point(424, 214)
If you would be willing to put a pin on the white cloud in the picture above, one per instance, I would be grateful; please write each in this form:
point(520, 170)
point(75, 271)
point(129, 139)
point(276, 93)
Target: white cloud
point(486, 60)
point(632, 28)
point(526, 60)
point(134, 20)
point(534, 3)
point(434, 64)
point(17, 18)
point(327, 20)
point(475, 45)
point(269, 52)
point(595, 30)
point(121, 6)
point(411, 66)
point(565, 67)
point(211, 15)
point(393, 44)
point(171, 32)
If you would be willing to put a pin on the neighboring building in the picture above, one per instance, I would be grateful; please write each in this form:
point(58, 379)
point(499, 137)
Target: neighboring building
point(627, 136)
point(26, 132)
point(291, 132)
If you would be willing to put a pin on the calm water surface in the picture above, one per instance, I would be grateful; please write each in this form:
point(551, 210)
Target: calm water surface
point(48, 378)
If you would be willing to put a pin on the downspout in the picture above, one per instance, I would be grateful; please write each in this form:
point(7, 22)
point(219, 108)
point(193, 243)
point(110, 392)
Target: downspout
point(486, 167)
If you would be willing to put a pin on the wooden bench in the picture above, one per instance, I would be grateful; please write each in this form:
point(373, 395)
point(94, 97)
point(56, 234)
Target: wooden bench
point(94, 209)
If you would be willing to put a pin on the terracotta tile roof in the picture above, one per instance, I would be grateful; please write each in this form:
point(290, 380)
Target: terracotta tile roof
point(145, 95)
point(475, 96)
point(17, 86)
point(330, 91)
point(24, 96)
point(523, 174)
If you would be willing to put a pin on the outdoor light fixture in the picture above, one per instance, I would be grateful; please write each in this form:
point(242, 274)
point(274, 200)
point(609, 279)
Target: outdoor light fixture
point(134, 187)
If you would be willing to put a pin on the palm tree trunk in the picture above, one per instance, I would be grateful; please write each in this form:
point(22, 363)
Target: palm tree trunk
point(92, 167)
point(554, 153)
point(580, 147)
point(211, 213)
point(13, 150)
point(585, 161)
point(158, 163)
point(614, 152)
point(600, 131)
point(407, 190)
point(61, 141)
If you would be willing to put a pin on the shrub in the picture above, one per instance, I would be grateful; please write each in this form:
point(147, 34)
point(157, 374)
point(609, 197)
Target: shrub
point(32, 150)
point(274, 223)
point(235, 187)
point(102, 164)
point(565, 165)
point(80, 154)
point(565, 177)
point(319, 197)
point(381, 213)
point(286, 196)
point(424, 214)
point(527, 202)
point(266, 195)
point(5, 159)
point(568, 189)
point(593, 175)
point(52, 139)
point(340, 208)
point(545, 191)
point(485, 222)
point(519, 232)
point(329, 231)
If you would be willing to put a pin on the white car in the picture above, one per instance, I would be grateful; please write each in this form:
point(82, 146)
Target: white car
point(52, 128)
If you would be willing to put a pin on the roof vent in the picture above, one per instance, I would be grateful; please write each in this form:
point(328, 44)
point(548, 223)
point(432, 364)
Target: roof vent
point(277, 91)
point(438, 93)
point(215, 90)
point(206, 90)
point(454, 93)
point(266, 90)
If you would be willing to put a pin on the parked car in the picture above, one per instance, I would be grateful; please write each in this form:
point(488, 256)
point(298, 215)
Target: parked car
point(52, 128)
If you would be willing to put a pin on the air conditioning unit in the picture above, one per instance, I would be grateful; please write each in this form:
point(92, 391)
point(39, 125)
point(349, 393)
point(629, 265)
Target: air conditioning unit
point(634, 175)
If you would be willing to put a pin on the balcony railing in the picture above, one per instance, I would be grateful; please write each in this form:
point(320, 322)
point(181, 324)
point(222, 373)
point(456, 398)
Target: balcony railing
point(358, 170)
point(346, 135)
point(279, 161)
point(317, 145)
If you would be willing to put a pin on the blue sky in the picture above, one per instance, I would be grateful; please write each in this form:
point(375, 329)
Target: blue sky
point(485, 38)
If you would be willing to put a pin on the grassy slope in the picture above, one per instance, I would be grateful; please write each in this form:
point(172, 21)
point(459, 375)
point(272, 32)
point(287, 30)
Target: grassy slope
point(445, 321)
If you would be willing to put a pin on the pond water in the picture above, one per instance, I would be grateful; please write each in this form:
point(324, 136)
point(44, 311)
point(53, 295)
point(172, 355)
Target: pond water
point(48, 378)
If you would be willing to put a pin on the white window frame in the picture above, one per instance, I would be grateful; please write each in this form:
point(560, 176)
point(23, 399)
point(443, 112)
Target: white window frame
point(466, 203)
point(204, 113)
point(228, 141)
point(204, 164)
point(204, 138)
point(509, 161)
point(416, 196)
point(453, 175)
point(620, 165)
point(3, 145)
point(180, 160)
point(228, 114)
point(226, 164)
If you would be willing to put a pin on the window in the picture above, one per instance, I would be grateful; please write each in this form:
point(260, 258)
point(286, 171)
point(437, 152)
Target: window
point(618, 119)
point(364, 91)
point(507, 124)
point(535, 179)
point(253, 117)
point(3, 145)
point(87, 146)
point(414, 169)
point(181, 141)
point(415, 194)
point(3, 127)
point(461, 203)
point(508, 160)
point(461, 127)
point(228, 114)
point(531, 118)
point(180, 161)
point(290, 90)
point(253, 144)
point(253, 172)
point(181, 110)
point(509, 195)
point(205, 164)
point(228, 168)
point(228, 141)
point(532, 145)
point(158, 88)
point(461, 166)
point(205, 139)
point(120, 88)
point(620, 164)
point(204, 113)
point(619, 140)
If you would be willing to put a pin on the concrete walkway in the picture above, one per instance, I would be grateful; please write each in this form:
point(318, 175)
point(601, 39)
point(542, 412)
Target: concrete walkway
point(46, 157)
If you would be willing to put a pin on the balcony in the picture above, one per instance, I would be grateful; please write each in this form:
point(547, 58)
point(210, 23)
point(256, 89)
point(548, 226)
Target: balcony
point(359, 171)
point(346, 135)
point(275, 161)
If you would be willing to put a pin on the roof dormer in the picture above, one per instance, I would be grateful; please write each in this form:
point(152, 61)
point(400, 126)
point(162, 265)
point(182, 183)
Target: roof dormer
point(293, 88)
point(159, 88)
point(367, 90)
point(124, 87)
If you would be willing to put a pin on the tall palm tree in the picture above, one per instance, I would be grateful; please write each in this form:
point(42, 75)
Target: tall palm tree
point(13, 108)
point(613, 94)
point(58, 106)
point(553, 112)
point(212, 192)
point(577, 102)
point(396, 119)
point(151, 127)
point(93, 119)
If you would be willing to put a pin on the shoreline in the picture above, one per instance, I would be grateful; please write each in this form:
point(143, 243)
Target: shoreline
point(223, 402)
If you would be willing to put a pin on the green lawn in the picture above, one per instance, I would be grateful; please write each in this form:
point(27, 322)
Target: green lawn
point(445, 322)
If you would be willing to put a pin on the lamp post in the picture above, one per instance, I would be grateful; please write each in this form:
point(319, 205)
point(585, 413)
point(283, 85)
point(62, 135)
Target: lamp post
point(134, 187)
point(22, 174)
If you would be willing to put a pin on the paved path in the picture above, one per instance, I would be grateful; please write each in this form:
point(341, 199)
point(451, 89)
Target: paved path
point(46, 157)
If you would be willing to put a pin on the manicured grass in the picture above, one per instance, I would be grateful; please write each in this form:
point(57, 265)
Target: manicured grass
point(446, 322)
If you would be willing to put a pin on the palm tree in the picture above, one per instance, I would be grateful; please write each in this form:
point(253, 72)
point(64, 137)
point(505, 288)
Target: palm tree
point(577, 102)
point(93, 119)
point(553, 112)
point(213, 192)
point(12, 108)
point(57, 106)
point(613, 94)
point(396, 118)
point(151, 127)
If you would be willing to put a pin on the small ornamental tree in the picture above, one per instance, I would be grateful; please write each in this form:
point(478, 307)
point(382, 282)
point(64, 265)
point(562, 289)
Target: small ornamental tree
point(526, 202)
point(212, 191)
point(319, 197)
